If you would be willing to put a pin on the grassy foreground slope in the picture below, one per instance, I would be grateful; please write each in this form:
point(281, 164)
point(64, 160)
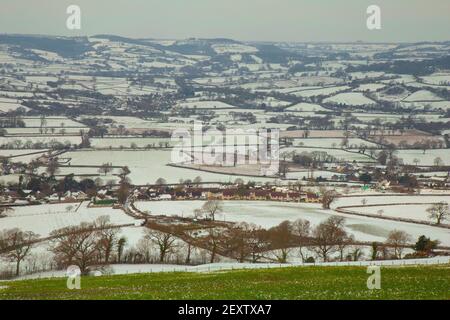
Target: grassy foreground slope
point(429, 282)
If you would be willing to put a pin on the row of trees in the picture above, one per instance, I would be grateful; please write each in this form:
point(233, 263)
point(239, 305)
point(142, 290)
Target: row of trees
point(99, 244)
point(83, 245)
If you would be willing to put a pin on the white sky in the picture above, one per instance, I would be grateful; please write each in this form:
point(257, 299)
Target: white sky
point(272, 20)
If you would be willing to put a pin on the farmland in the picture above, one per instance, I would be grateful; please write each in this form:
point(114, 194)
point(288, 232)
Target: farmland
point(187, 153)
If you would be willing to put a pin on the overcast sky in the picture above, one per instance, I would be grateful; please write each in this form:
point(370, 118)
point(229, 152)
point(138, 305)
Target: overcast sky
point(271, 20)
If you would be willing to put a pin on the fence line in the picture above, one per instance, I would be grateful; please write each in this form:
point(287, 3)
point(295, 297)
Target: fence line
point(215, 267)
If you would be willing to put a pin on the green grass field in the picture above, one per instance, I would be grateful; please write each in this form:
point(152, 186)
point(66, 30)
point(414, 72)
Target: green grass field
point(429, 282)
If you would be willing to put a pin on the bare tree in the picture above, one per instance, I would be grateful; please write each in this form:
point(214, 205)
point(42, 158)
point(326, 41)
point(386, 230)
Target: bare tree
point(164, 241)
point(356, 253)
point(191, 234)
point(242, 240)
point(258, 241)
point(78, 245)
point(327, 235)
point(17, 245)
point(302, 230)
point(123, 192)
point(439, 212)
point(398, 239)
point(328, 196)
point(198, 179)
point(105, 168)
point(143, 248)
point(343, 243)
point(161, 181)
point(213, 241)
point(438, 162)
point(198, 213)
point(52, 167)
point(281, 239)
point(212, 208)
point(107, 237)
point(123, 175)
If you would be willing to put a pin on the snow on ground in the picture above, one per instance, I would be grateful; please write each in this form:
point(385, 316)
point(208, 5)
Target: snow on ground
point(306, 107)
point(50, 122)
point(298, 175)
point(9, 179)
point(320, 92)
point(127, 142)
point(147, 166)
point(132, 235)
point(126, 121)
point(427, 159)
point(264, 213)
point(422, 95)
point(340, 154)
point(433, 105)
point(10, 104)
point(370, 87)
point(353, 143)
point(410, 211)
point(43, 219)
point(351, 99)
point(205, 105)
point(21, 155)
point(211, 267)
point(271, 213)
point(233, 48)
point(437, 79)
point(26, 132)
point(389, 199)
point(21, 141)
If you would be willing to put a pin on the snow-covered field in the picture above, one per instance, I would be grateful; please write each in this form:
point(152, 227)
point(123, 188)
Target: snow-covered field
point(306, 107)
point(389, 199)
point(437, 79)
point(264, 213)
point(29, 140)
point(405, 211)
point(385, 117)
point(270, 213)
point(51, 122)
point(353, 143)
point(21, 155)
point(422, 95)
point(205, 105)
point(350, 99)
point(320, 92)
point(370, 87)
point(428, 158)
point(147, 166)
point(128, 142)
point(299, 175)
point(127, 121)
point(10, 104)
point(43, 219)
point(339, 154)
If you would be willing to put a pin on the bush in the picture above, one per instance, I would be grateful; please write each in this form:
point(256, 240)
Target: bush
point(310, 260)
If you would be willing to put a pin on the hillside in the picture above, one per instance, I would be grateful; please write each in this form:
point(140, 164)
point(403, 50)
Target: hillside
point(284, 283)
